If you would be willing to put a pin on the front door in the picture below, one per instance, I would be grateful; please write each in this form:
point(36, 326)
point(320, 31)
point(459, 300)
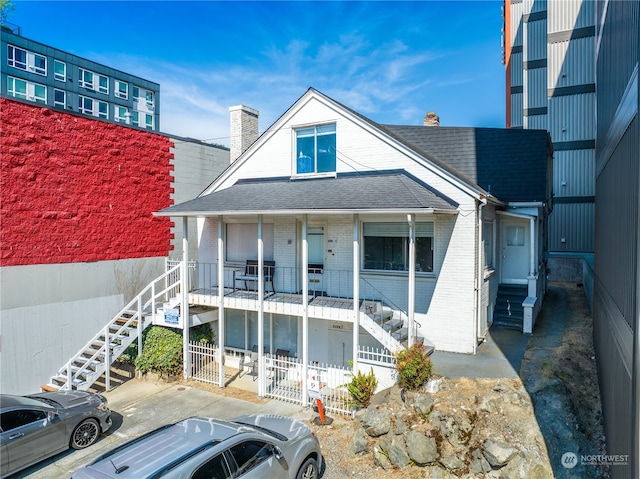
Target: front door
point(315, 240)
point(515, 251)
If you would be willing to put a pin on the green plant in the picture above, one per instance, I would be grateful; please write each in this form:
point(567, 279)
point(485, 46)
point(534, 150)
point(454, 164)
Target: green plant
point(362, 387)
point(414, 367)
point(161, 352)
point(202, 333)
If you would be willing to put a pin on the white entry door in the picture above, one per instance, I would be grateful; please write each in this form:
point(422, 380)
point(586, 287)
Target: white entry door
point(315, 239)
point(515, 252)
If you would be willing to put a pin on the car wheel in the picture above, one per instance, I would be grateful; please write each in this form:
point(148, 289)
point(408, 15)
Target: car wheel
point(308, 470)
point(85, 434)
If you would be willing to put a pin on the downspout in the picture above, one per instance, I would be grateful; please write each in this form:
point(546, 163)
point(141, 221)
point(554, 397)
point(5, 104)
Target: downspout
point(356, 293)
point(532, 239)
point(261, 359)
point(184, 310)
point(305, 312)
point(221, 311)
point(479, 276)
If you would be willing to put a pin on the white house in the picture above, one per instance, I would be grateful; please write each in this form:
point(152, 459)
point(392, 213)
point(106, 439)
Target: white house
point(421, 225)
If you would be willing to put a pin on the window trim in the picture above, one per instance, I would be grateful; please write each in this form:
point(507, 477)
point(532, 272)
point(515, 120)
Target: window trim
point(30, 90)
point(491, 227)
point(94, 84)
point(116, 89)
point(29, 64)
point(62, 104)
point(315, 173)
point(56, 76)
point(95, 112)
point(428, 226)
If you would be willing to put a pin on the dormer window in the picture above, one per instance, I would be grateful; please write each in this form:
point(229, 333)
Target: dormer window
point(316, 149)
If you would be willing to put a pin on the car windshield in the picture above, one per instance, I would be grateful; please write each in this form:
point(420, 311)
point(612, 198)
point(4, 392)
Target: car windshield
point(270, 432)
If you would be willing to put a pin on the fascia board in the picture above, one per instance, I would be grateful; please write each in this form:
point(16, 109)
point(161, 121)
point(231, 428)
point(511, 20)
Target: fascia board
point(294, 212)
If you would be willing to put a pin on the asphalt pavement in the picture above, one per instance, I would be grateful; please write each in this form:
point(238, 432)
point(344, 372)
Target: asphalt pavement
point(139, 406)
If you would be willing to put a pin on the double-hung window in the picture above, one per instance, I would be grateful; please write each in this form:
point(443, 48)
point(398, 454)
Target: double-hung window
point(93, 107)
point(121, 89)
point(93, 81)
point(487, 240)
point(316, 149)
point(26, 60)
point(59, 70)
point(26, 90)
point(386, 246)
point(59, 98)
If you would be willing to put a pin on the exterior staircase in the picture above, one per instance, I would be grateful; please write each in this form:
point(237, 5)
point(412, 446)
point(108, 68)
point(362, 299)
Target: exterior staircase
point(509, 312)
point(388, 326)
point(96, 357)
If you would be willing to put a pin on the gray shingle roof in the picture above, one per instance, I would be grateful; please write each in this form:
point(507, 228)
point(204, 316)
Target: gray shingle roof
point(380, 191)
point(511, 164)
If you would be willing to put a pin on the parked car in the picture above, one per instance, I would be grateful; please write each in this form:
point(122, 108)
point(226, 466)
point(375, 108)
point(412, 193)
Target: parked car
point(38, 426)
point(250, 447)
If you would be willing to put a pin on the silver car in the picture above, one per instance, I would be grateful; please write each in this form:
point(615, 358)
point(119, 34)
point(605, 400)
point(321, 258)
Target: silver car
point(256, 446)
point(38, 426)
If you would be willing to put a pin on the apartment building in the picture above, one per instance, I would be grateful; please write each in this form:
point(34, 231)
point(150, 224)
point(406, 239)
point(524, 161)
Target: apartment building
point(47, 76)
point(549, 59)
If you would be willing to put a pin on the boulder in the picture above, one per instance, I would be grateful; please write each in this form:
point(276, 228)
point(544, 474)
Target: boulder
point(497, 453)
point(478, 465)
point(452, 463)
point(423, 403)
point(436, 472)
point(393, 446)
point(401, 426)
point(358, 444)
point(421, 449)
point(457, 431)
point(380, 459)
point(376, 422)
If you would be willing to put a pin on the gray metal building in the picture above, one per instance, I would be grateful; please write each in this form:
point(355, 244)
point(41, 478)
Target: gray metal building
point(616, 303)
point(42, 74)
point(548, 54)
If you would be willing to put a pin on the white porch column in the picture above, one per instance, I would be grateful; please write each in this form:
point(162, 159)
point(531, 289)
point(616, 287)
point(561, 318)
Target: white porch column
point(532, 235)
point(356, 292)
point(221, 318)
point(184, 287)
point(262, 380)
point(305, 311)
point(412, 278)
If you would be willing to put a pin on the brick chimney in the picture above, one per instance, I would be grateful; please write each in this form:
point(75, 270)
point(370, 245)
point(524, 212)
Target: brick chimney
point(431, 119)
point(244, 130)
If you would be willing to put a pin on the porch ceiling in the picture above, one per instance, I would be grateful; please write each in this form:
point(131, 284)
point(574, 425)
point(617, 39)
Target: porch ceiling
point(393, 192)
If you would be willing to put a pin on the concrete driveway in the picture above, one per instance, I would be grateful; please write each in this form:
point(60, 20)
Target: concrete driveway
point(140, 406)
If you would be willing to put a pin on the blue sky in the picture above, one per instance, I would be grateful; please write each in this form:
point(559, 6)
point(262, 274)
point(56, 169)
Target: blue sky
point(390, 61)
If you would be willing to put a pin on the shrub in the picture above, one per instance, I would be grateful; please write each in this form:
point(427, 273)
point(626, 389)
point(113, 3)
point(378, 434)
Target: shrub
point(161, 352)
point(362, 387)
point(414, 367)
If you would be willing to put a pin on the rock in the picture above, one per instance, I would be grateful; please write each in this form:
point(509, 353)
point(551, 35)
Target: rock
point(433, 385)
point(457, 432)
point(395, 450)
point(526, 466)
point(498, 454)
point(379, 458)
point(436, 472)
point(452, 463)
point(421, 449)
point(376, 422)
point(478, 465)
point(401, 426)
point(423, 403)
point(358, 444)
point(500, 386)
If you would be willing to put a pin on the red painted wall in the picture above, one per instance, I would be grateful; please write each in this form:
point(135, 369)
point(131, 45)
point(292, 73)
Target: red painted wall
point(73, 189)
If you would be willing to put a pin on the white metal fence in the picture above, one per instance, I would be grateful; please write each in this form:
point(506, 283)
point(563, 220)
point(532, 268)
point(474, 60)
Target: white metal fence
point(283, 375)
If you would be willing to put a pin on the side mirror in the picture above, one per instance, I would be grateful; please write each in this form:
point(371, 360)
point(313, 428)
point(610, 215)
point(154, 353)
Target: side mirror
point(277, 452)
point(51, 416)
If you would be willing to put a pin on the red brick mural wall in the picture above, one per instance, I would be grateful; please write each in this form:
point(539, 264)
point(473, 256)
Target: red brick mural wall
point(73, 189)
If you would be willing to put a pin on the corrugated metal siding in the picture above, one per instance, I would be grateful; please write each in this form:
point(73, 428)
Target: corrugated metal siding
point(574, 223)
point(572, 117)
point(570, 14)
point(536, 88)
point(516, 24)
point(617, 223)
point(536, 44)
point(617, 58)
point(516, 109)
point(576, 169)
point(537, 122)
point(616, 393)
point(532, 6)
point(516, 69)
point(571, 63)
